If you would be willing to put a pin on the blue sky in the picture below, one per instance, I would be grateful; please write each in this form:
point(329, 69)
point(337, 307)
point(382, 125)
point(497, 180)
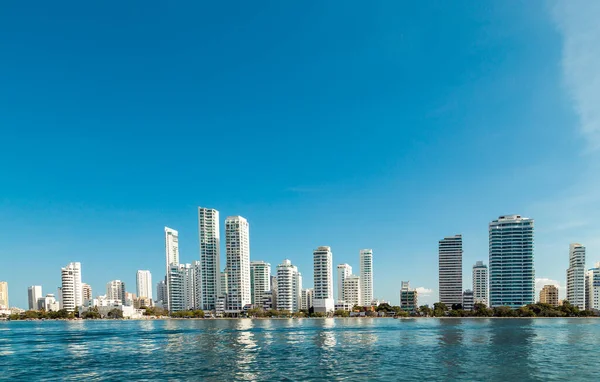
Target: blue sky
point(386, 126)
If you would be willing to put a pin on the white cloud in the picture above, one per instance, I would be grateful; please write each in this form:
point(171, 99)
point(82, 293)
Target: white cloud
point(540, 282)
point(424, 291)
point(578, 23)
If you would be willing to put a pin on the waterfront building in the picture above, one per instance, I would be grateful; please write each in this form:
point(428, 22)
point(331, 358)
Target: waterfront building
point(197, 269)
point(343, 305)
point(343, 271)
point(237, 239)
point(576, 276)
point(4, 295)
point(289, 285)
point(480, 283)
point(450, 270)
point(210, 256)
point(323, 280)
point(307, 298)
point(220, 306)
point(409, 298)
point(468, 300)
point(352, 290)
point(142, 302)
point(365, 260)
point(130, 299)
point(171, 258)
point(162, 293)
point(34, 293)
point(86, 291)
point(267, 301)
point(115, 290)
point(260, 280)
point(549, 295)
point(274, 290)
point(48, 303)
point(144, 284)
point(511, 271)
point(592, 282)
point(183, 287)
point(71, 291)
point(223, 280)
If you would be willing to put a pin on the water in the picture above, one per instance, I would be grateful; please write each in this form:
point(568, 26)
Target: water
point(298, 350)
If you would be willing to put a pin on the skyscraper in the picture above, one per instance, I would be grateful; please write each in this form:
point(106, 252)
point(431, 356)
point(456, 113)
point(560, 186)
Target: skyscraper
point(343, 271)
point(34, 293)
point(366, 276)
point(71, 292)
point(237, 239)
point(162, 293)
point(450, 270)
point(576, 276)
point(87, 292)
point(549, 295)
point(289, 284)
point(210, 255)
point(592, 288)
point(512, 276)
point(197, 265)
point(4, 295)
point(480, 283)
point(223, 280)
point(172, 258)
point(182, 290)
point(352, 290)
point(307, 298)
point(323, 280)
point(260, 280)
point(115, 290)
point(144, 284)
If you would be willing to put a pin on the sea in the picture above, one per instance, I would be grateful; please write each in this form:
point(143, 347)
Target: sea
point(364, 349)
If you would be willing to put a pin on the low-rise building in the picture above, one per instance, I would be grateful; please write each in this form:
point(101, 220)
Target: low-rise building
point(343, 305)
point(549, 295)
point(468, 300)
point(409, 301)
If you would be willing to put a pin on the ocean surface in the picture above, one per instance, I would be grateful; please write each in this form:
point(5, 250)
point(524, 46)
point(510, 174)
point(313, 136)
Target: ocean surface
point(300, 350)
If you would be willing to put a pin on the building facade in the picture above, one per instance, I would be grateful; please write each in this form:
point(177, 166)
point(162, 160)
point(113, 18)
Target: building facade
point(223, 280)
point(182, 291)
point(210, 255)
point(171, 258)
point(307, 298)
point(71, 291)
point(289, 286)
point(343, 271)
point(352, 290)
point(511, 270)
point(260, 281)
point(468, 300)
point(4, 295)
point(450, 270)
point(115, 290)
point(409, 298)
point(237, 239)
point(549, 295)
point(162, 293)
point(144, 284)
point(480, 283)
point(365, 259)
point(576, 276)
point(592, 282)
point(34, 293)
point(323, 280)
point(87, 291)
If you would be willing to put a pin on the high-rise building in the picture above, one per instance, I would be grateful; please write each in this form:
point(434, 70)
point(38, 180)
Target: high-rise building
point(450, 270)
point(162, 293)
point(71, 292)
point(115, 290)
point(87, 292)
point(511, 276)
point(366, 276)
point(182, 291)
point(274, 290)
point(592, 282)
point(223, 280)
point(307, 298)
point(260, 281)
point(172, 258)
point(576, 276)
point(210, 255)
point(409, 298)
point(549, 295)
point(237, 239)
point(468, 300)
point(480, 283)
point(343, 271)
point(34, 293)
point(323, 280)
point(352, 290)
point(289, 286)
point(144, 284)
point(197, 265)
point(4, 295)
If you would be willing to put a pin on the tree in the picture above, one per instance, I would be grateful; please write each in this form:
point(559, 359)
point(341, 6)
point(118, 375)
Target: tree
point(439, 309)
point(457, 306)
point(426, 310)
point(115, 313)
point(341, 313)
point(503, 311)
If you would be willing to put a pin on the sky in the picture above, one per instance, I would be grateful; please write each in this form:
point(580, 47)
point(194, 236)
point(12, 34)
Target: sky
point(386, 126)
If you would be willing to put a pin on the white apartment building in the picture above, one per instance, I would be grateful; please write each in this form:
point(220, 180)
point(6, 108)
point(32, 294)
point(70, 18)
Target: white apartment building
point(576, 276)
point(48, 303)
point(480, 283)
point(197, 265)
point(307, 296)
point(223, 280)
point(323, 280)
point(4, 295)
point(171, 258)
point(183, 287)
point(34, 293)
point(366, 276)
point(237, 244)
point(260, 280)
point(144, 284)
point(289, 287)
point(592, 280)
point(115, 290)
point(71, 291)
point(450, 270)
point(87, 291)
point(210, 255)
point(343, 271)
point(352, 290)
point(162, 293)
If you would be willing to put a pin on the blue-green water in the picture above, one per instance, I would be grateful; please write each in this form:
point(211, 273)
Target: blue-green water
point(298, 350)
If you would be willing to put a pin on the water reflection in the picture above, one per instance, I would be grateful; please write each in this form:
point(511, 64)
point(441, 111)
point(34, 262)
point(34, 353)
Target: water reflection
point(246, 350)
point(513, 342)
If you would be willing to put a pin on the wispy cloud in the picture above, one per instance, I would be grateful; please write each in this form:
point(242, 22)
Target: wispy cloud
point(424, 291)
point(579, 26)
point(541, 282)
